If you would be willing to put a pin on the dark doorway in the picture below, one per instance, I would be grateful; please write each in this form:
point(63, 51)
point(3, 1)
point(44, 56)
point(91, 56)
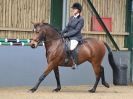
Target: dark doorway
point(56, 13)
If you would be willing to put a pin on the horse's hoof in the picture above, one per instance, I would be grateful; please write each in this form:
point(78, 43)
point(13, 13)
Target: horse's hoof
point(32, 90)
point(106, 84)
point(73, 68)
point(92, 91)
point(56, 90)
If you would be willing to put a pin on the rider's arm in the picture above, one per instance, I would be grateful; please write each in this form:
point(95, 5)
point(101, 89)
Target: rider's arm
point(66, 28)
point(76, 30)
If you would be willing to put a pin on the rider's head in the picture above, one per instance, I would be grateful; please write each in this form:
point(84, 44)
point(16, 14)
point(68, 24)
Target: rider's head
point(77, 8)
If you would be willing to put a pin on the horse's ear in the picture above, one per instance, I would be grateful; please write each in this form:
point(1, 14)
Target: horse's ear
point(42, 21)
point(32, 22)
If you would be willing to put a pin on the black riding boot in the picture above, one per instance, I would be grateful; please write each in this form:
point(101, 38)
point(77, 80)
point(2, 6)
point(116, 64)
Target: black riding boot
point(73, 59)
point(68, 56)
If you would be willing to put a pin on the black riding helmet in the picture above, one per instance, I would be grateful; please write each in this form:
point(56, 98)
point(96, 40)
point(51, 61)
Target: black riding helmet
point(77, 6)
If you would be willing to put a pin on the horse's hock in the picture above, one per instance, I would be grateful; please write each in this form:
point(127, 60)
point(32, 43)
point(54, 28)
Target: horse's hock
point(122, 60)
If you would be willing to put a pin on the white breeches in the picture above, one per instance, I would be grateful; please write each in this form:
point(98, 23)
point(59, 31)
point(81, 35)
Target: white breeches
point(73, 44)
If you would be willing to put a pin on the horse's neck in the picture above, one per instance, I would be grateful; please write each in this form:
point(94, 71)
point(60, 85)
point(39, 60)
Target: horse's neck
point(53, 46)
point(53, 40)
point(52, 34)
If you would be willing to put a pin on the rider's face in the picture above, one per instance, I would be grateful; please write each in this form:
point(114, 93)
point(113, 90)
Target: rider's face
point(75, 11)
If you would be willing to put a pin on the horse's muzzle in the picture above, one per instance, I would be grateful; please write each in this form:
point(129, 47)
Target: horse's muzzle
point(33, 45)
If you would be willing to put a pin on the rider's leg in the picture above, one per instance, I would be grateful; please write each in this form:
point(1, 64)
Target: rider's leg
point(68, 56)
point(68, 53)
point(73, 45)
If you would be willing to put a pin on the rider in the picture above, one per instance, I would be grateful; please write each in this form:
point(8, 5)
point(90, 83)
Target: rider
point(73, 29)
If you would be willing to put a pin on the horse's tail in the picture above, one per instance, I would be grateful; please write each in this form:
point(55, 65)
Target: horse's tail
point(110, 56)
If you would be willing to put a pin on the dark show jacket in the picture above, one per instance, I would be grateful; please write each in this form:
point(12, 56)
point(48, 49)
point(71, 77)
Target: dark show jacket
point(73, 28)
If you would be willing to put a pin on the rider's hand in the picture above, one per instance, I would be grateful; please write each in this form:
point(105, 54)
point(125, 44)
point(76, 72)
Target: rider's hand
point(65, 35)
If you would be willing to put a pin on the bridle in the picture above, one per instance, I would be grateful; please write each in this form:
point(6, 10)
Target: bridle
point(44, 39)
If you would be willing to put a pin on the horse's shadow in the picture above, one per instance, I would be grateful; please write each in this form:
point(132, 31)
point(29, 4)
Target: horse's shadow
point(87, 91)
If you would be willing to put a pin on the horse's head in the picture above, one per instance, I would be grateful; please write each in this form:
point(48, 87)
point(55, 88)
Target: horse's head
point(39, 34)
point(44, 31)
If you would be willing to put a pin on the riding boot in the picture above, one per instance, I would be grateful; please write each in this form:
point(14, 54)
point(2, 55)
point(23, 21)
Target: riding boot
point(68, 56)
point(73, 59)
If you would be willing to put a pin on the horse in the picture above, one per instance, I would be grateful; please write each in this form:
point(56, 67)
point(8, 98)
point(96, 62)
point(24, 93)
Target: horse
point(91, 50)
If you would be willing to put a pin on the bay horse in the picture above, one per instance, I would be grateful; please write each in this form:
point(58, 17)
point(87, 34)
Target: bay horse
point(91, 50)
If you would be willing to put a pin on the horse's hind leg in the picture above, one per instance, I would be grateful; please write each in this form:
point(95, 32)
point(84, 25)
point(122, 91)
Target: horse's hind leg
point(103, 78)
point(57, 76)
point(97, 70)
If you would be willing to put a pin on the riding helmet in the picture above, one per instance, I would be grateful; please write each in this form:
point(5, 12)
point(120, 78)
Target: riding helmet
point(77, 6)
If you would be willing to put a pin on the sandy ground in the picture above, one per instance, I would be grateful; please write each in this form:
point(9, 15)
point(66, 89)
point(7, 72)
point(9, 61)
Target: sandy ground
point(68, 92)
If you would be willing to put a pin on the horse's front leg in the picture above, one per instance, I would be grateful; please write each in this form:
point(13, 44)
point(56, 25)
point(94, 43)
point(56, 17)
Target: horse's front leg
point(57, 76)
point(42, 77)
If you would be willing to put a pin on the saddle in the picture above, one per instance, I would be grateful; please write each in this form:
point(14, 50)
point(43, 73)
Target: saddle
point(69, 53)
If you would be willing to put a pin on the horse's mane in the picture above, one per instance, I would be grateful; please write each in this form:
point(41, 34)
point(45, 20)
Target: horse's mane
point(57, 30)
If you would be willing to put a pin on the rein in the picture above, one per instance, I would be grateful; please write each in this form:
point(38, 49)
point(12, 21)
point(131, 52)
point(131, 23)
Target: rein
point(52, 39)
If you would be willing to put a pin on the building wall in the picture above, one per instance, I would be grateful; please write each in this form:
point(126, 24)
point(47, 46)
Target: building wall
point(16, 16)
point(106, 8)
point(22, 66)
